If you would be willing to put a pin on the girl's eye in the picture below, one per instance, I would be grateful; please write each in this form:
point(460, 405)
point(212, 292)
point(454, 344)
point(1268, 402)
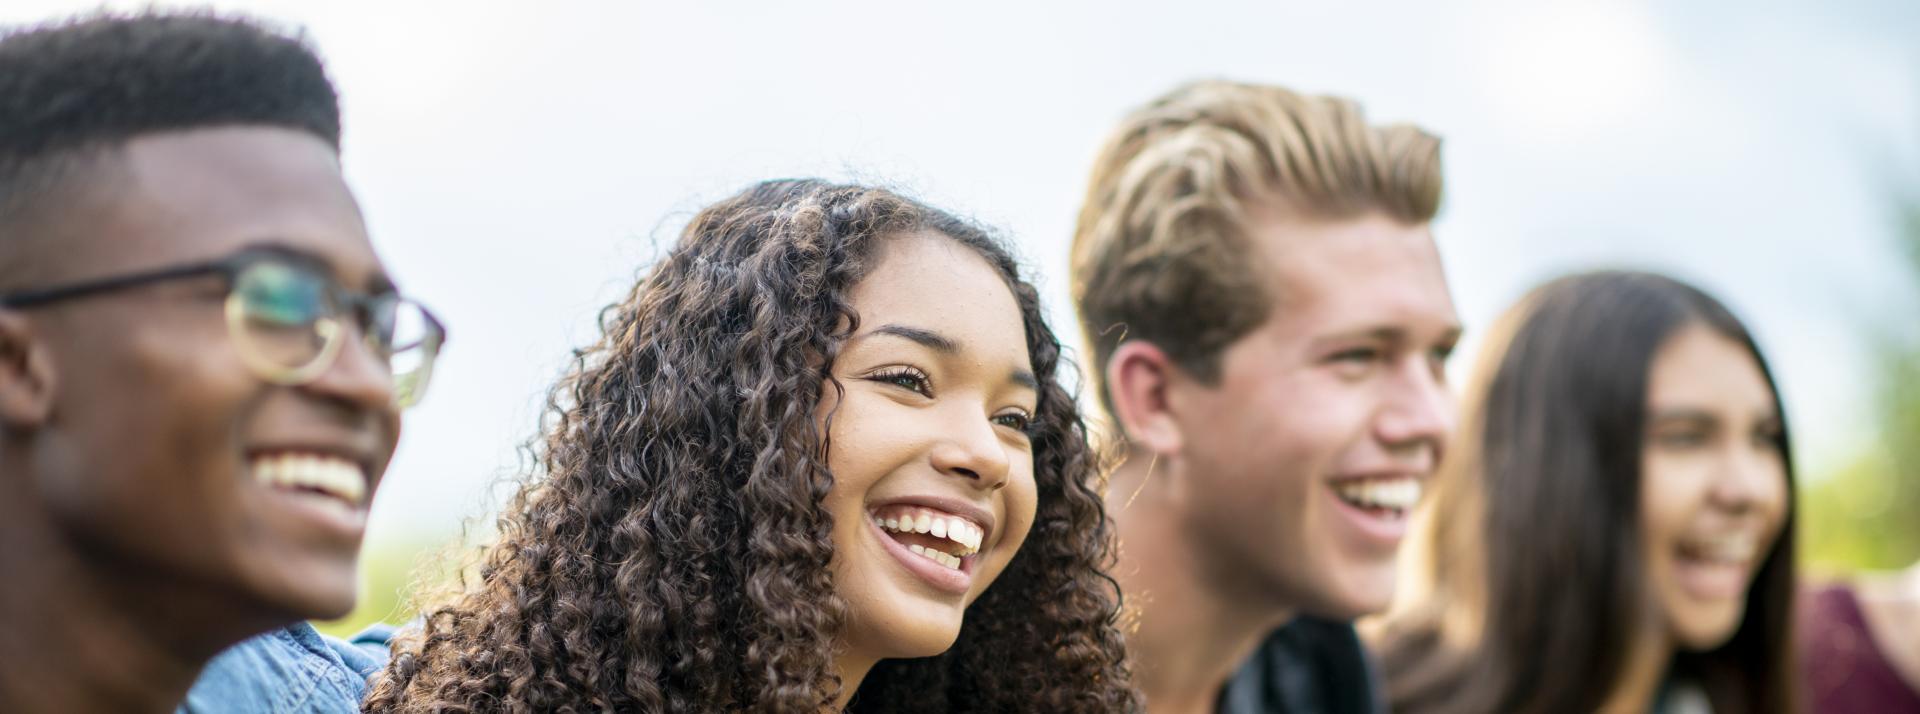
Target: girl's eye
point(1681, 439)
point(908, 379)
point(1017, 421)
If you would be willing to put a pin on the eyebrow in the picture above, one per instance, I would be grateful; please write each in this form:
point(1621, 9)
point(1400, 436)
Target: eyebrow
point(925, 338)
point(947, 347)
point(1690, 414)
point(1682, 414)
point(1389, 333)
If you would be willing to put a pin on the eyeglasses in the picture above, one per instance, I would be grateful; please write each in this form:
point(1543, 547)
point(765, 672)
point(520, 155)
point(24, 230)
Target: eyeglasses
point(287, 317)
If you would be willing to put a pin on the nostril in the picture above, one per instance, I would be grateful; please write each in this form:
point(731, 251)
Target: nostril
point(969, 473)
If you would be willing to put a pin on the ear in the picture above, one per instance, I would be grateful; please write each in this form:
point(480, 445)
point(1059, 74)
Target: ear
point(1138, 375)
point(26, 374)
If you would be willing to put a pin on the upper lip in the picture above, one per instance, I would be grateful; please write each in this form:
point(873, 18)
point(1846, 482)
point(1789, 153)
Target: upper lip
point(979, 515)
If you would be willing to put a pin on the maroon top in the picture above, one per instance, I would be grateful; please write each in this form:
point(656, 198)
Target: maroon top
point(1844, 670)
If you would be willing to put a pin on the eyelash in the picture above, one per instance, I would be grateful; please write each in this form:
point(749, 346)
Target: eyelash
point(919, 383)
point(1690, 439)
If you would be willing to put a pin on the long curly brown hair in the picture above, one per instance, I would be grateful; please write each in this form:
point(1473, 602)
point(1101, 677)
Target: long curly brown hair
point(671, 550)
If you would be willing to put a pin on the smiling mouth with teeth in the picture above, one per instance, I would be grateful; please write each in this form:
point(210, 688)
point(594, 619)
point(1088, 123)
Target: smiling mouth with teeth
point(940, 537)
point(1386, 497)
point(1739, 549)
point(339, 481)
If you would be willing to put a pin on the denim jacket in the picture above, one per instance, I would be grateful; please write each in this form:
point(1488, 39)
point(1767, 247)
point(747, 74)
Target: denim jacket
point(293, 670)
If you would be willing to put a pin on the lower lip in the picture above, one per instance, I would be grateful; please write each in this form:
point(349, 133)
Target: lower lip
point(1376, 529)
point(327, 512)
point(942, 578)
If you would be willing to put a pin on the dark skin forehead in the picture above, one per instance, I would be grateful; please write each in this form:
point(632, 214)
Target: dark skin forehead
point(185, 197)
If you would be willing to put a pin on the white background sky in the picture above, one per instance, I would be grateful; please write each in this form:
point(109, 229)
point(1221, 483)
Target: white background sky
point(518, 162)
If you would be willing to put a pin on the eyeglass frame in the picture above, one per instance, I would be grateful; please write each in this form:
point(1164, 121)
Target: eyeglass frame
point(357, 305)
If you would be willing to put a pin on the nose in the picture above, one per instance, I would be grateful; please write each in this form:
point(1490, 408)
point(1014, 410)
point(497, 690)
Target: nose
point(1417, 415)
point(358, 377)
point(1750, 474)
point(970, 449)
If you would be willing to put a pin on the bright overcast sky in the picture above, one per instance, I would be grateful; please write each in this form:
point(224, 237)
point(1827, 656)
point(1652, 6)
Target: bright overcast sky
point(517, 163)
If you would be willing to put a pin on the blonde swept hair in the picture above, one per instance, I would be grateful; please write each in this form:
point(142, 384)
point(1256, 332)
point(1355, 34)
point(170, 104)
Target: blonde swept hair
point(1161, 250)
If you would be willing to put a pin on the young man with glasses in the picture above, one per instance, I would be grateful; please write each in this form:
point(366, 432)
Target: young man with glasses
point(202, 360)
point(1266, 309)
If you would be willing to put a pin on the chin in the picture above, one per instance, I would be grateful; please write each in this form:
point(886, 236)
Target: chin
point(919, 634)
point(319, 593)
point(1704, 632)
point(1356, 591)
point(328, 603)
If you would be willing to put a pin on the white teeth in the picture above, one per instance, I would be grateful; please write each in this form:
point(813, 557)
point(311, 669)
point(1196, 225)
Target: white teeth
point(957, 530)
point(972, 541)
point(1732, 548)
point(1399, 494)
point(339, 478)
point(935, 556)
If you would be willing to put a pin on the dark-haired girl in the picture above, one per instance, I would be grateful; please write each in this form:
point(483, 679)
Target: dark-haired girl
point(1613, 531)
point(821, 458)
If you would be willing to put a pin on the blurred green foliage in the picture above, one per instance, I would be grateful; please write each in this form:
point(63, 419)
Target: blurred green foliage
point(1866, 515)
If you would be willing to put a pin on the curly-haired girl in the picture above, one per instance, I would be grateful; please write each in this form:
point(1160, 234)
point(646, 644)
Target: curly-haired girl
point(820, 458)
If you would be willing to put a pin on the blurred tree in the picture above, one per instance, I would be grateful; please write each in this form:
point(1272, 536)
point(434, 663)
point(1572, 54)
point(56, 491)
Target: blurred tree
point(1867, 514)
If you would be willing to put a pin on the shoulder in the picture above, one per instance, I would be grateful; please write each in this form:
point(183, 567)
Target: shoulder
point(1853, 657)
point(292, 669)
point(1312, 665)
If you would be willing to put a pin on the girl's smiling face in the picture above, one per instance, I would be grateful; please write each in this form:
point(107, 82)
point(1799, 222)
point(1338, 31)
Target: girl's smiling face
point(933, 470)
point(1714, 484)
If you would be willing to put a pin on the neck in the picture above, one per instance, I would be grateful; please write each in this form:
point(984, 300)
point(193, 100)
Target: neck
point(1642, 673)
point(852, 668)
point(1192, 634)
point(82, 636)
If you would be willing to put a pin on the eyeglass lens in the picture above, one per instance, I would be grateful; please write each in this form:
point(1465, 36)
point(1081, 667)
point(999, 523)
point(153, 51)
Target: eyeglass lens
point(289, 318)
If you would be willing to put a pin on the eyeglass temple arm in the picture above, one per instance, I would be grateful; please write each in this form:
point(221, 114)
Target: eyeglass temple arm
point(31, 298)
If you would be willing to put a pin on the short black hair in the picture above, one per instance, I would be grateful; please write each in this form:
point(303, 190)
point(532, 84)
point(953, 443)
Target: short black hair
point(73, 88)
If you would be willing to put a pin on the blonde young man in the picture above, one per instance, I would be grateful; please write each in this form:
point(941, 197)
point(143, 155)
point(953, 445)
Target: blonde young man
point(1266, 309)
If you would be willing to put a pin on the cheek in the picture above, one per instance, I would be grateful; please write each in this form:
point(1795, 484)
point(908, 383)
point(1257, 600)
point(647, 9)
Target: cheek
point(1672, 489)
point(1021, 503)
point(864, 445)
point(1314, 414)
point(1775, 499)
point(151, 444)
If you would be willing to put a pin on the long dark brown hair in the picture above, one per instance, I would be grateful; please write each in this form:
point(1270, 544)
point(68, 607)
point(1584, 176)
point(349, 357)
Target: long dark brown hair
point(1532, 583)
point(671, 552)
